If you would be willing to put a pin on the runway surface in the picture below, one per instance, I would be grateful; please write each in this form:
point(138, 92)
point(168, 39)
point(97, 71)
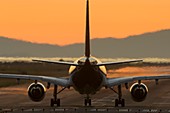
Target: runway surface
point(158, 98)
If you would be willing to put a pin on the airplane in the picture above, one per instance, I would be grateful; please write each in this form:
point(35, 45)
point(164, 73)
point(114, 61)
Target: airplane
point(87, 76)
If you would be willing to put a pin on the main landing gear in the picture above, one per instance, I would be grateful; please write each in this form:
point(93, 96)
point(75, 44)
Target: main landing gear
point(87, 101)
point(56, 100)
point(119, 101)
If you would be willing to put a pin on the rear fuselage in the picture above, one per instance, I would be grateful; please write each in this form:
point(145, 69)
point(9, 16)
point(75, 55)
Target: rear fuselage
point(87, 78)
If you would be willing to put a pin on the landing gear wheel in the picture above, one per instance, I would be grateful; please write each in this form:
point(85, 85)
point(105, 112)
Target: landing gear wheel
point(87, 102)
point(53, 102)
point(116, 102)
point(58, 102)
point(120, 102)
point(123, 103)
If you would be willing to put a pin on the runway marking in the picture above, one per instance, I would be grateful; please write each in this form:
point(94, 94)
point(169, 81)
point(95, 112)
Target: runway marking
point(92, 110)
point(123, 110)
point(36, 110)
point(86, 109)
point(149, 110)
point(102, 110)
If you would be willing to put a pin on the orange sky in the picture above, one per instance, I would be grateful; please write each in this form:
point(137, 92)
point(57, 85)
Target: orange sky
point(63, 21)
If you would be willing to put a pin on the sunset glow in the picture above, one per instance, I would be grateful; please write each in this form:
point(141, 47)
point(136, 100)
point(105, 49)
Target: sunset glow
point(63, 21)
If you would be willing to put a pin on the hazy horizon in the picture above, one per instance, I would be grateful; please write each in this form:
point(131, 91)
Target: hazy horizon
point(92, 38)
point(138, 46)
point(72, 59)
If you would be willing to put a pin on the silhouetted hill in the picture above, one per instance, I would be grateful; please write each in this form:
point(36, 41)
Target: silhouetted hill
point(154, 44)
point(16, 48)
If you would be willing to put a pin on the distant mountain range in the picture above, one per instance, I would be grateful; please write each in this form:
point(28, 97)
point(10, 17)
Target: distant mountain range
point(153, 44)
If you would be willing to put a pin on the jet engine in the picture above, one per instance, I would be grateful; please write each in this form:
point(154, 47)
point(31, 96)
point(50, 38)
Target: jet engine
point(138, 92)
point(36, 91)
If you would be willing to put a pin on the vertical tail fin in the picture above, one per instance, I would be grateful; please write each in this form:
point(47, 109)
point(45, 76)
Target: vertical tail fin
point(87, 40)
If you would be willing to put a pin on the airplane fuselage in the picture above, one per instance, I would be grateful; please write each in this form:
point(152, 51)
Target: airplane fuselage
point(87, 79)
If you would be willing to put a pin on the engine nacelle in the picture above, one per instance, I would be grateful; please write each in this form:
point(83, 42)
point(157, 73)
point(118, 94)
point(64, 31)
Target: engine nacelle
point(138, 92)
point(36, 91)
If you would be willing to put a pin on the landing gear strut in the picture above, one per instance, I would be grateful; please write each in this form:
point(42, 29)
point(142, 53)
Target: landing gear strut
point(55, 100)
point(87, 101)
point(119, 101)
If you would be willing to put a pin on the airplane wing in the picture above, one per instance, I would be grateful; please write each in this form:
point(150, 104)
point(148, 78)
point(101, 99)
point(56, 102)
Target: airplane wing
point(115, 63)
point(56, 62)
point(65, 82)
point(118, 81)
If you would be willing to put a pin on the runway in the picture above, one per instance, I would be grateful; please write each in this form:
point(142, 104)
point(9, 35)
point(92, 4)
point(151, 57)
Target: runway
point(15, 99)
point(85, 110)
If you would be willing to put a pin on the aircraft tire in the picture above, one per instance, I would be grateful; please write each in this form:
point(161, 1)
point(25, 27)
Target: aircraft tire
point(116, 102)
point(85, 102)
point(89, 102)
point(123, 102)
point(52, 103)
point(58, 102)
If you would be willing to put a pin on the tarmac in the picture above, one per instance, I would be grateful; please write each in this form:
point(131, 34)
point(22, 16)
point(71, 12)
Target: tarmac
point(84, 110)
point(14, 99)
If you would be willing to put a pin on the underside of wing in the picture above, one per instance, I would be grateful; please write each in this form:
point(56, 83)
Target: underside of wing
point(118, 81)
point(65, 82)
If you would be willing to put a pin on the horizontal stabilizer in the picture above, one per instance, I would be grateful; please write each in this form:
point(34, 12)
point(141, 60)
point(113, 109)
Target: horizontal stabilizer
point(115, 63)
point(56, 62)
